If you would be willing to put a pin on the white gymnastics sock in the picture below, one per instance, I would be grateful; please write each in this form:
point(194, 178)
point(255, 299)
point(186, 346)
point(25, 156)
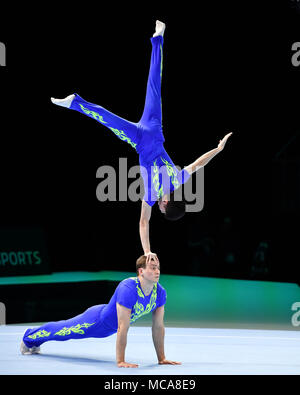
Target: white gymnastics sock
point(159, 29)
point(63, 102)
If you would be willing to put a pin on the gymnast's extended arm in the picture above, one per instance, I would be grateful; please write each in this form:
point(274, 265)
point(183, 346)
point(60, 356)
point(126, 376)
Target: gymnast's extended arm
point(123, 325)
point(144, 231)
point(205, 158)
point(158, 336)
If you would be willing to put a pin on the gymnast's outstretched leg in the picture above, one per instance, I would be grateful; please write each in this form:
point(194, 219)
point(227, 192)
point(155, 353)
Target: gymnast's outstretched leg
point(87, 324)
point(123, 129)
point(152, 114)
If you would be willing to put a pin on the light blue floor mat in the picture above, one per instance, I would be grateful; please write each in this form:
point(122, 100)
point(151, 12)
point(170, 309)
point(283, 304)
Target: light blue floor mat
point(201, 351)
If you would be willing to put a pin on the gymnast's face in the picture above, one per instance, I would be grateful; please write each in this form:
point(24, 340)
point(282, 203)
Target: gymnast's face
point(151, 272)
point(162, 204)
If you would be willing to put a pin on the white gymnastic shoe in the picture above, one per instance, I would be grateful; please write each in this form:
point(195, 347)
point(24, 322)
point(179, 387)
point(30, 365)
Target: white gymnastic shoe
point(64, 102)
point(28, 351)
point(159, 29)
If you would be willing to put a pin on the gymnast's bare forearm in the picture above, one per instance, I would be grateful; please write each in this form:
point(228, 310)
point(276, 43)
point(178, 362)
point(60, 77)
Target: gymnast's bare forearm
point(158, 336)
point(205, 158)
point(144, 235)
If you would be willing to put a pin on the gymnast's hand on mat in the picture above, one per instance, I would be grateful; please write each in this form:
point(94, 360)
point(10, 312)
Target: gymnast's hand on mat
point(151, 255)
point(127, 365)
point(166, 362)
point(223, 141)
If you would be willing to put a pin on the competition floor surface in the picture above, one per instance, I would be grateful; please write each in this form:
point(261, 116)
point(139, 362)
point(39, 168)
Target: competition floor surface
point(214, 326)
point(202, 351)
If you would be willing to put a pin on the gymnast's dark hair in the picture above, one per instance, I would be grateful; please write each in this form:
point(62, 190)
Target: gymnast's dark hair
point(175, 209)
point(141, 263)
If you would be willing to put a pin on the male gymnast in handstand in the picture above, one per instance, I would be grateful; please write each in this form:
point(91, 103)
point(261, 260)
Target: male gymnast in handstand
point(133, 298)
point(160, 176)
